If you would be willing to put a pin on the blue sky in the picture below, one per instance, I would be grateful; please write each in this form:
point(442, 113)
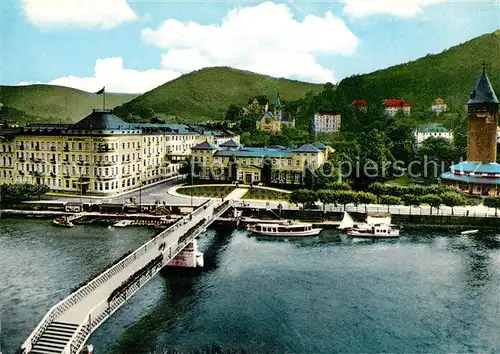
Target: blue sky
point(134, 46)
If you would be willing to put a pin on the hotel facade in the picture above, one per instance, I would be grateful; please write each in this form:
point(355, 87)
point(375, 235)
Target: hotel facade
point(233, 162)
point(101, 155)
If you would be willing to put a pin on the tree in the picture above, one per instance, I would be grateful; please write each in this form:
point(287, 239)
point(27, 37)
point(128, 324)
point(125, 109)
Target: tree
point(433, 200)
point(492, 202)
point(305, 197)
point(267, 170)
point(411, 200)
point(339, 186)
point(389, 200)
point(233, 169)
point(233, 112)
point(247, 124)
point(453, 199)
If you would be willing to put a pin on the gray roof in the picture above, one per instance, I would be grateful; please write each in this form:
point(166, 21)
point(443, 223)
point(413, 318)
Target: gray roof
point(483, 91)
point(102, 119)
point(206, 145)
point(306, 148)
point(230, 144)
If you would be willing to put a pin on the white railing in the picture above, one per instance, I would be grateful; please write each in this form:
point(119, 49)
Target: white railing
point(104, 310)
point(75, 297)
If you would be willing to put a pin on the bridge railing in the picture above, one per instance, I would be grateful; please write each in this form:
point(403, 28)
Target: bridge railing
point(81, 293)
point(105, 309)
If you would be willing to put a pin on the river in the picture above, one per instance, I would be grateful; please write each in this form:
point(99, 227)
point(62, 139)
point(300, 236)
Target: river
point(426, 292)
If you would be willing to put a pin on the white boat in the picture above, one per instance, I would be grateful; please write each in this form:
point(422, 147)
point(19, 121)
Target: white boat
point(347, 222)
point(284, 230)
point(373, 231)
point(376, 226)
point(123, 223)
point(469, 232)
point(64, 222)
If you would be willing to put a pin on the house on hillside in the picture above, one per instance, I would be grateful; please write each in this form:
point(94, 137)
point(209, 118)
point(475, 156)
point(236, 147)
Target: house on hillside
point(439, 106)
point(360, 105)
point(273, 122)
point(325, 123)
point(432, 130)
point(256, 105)
point(394, 106)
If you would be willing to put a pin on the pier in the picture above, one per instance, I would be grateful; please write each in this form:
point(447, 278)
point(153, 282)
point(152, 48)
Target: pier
point(67, 325)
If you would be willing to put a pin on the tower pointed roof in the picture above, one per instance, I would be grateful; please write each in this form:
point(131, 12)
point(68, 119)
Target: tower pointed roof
point(483, 91)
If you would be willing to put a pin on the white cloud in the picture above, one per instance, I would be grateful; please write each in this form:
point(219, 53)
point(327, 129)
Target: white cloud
point(80, 13)
point(264, 38)
point(111, 73)
point(397, 8)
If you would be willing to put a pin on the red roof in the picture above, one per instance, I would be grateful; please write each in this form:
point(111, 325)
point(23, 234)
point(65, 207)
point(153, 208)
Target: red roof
point(360, 103)
point(396, 103)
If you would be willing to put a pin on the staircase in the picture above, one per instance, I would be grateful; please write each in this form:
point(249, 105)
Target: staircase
point(54, 338)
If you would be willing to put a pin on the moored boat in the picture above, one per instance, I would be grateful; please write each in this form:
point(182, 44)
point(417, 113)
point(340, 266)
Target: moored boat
point(284, 230)
point(374, 231)
point(376, 226)
point(62, 222)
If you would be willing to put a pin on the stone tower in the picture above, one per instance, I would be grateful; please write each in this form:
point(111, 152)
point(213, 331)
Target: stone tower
point(482, 112)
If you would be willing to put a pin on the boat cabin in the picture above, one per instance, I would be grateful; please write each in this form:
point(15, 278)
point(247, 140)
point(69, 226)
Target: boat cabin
point(283, 228)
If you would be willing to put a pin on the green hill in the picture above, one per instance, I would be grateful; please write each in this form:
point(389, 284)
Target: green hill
point(450, 75)
point(206, 94)
point(50, 103)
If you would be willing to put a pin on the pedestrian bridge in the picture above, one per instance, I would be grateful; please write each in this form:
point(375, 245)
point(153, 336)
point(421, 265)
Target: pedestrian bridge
point(67, 326)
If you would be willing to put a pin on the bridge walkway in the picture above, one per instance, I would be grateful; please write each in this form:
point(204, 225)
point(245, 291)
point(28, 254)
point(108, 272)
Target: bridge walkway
point(67, 326)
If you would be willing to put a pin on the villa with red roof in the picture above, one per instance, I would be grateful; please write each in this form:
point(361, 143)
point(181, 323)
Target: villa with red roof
point(393, 106)
point(361, 105)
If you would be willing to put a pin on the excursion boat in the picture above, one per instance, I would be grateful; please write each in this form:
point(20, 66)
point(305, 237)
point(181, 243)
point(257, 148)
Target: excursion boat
point(284, 230)
point(376, 226)
point(62, 222)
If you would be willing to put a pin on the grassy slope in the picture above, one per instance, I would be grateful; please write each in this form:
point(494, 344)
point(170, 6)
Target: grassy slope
point(450, 75)
point(207, 93)
point(49, 103)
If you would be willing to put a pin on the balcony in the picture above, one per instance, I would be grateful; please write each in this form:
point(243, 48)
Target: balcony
point(66, 148)
point(21, 147)
point(66, 175)
point(53, 161)
point(65, 162)
point(105, 163)
point(21, 159)
point(126, 174)
point(37, 173)
point(81, 163)
point(125, 162)
point(53, 148)
point(105, 178)
point(104, 150)
point(36, 160)
point(52, 174)
point(21, 173)
point(37, 147)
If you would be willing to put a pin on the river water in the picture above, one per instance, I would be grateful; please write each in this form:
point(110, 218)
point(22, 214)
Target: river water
point(426, 292)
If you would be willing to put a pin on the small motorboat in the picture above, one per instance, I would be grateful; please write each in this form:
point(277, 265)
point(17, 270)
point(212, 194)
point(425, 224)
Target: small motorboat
point(284, 230)
point(64, 222)
point(469, 232)
point(376, 226)
point(373, 231)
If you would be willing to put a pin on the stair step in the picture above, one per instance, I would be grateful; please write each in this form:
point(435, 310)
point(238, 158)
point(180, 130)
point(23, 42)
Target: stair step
point(46, 349)
point(60, 332)
point(63, 325)
point(39, 352)
point(52, 338)
point(49, 343)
